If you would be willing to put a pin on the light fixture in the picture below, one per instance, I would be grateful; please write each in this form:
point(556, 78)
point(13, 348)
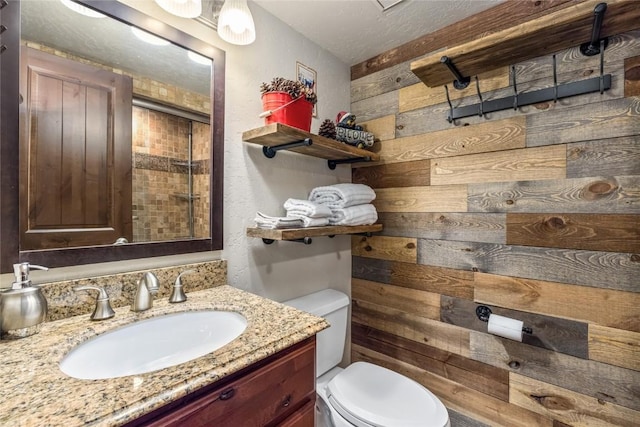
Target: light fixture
point(182, 8)
point(235, 23)
point(148, 37)
point(82, 10)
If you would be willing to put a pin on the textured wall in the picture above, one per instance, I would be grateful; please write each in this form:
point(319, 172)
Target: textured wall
point(534, 213)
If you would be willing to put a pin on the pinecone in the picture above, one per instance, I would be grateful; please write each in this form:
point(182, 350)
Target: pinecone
point(327, 129)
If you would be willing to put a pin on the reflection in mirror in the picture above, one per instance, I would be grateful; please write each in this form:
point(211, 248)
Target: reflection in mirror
point(71, 165)
point(120, 140)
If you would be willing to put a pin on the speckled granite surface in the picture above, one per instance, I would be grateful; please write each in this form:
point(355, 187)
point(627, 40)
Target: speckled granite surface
point(34, 392)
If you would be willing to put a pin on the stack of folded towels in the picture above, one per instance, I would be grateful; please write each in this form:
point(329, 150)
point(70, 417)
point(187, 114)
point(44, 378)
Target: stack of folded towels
point(310, 213)
point(350, 204)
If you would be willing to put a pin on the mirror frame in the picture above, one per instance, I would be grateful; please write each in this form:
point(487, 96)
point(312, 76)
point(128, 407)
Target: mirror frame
point(9, 158)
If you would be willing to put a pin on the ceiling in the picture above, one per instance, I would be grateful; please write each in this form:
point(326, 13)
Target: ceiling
point(357, 30)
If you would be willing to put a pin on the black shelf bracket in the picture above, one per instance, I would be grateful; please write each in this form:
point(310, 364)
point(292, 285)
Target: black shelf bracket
point(565, 90)
point(333, 163)
point(595, 45)
point(270, 152)
point(460, 81)
point(306, 240)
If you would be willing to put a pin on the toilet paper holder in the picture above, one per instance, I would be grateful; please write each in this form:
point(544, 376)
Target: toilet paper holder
point(483, 312)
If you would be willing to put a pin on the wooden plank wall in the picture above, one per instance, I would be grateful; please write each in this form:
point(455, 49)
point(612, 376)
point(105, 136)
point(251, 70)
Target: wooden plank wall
point(534, 213)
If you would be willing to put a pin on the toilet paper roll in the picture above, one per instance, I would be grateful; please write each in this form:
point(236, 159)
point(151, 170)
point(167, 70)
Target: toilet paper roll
point(505, 327)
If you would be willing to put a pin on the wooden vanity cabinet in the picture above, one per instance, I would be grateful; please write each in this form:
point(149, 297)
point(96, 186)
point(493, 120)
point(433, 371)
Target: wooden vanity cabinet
point(278, 391)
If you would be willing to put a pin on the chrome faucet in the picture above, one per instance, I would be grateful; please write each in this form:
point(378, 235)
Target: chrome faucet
point(147, 287)
point(103, 308)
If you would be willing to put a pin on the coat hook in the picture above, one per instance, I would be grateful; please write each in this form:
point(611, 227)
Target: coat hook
point(481, 105)
point(460, 81)
point(515, 87)
point(450, 118)
point(555, 81)
point(593, 47)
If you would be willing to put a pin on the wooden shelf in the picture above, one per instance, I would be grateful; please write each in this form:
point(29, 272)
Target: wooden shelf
point(269, 234)
point(277, 134)
point(548, 34)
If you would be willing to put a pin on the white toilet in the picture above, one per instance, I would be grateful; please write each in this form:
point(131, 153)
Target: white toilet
point(362, 394)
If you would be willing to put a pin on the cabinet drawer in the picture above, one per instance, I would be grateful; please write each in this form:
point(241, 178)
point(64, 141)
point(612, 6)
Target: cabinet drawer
point(260, 398)
point(305, 417)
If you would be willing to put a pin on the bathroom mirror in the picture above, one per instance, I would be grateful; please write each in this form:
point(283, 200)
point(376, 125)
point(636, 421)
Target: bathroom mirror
point(172, 191)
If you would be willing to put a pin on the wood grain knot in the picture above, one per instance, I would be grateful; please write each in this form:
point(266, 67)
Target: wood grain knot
point(635, 258)
point(600, 188)
point(368, 248)
point(586, 73)
point(555, 223)
point(553, 402)
point(542, 106)
point(410, 246)
point(400, 127)
point(632, 73)
point(398, 79)
point(510, 202)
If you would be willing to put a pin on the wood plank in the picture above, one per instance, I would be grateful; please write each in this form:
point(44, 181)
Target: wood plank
point(615, 347)
point(464, 400)
point(609, 119)
point(543, 36)
point(599, 380)
point(615, 156)
point(499, 17)
point(565, 336)
point(459, 420)
point(573, 408)
point(420, 95)
point(632, 76)
point(325, 148)
point(442, 198)
point(387, 80)
point(299, 233)
point(509, 165)
point(410, 326)
point(420, 303)
point(407, 174)
point(594, 195)
point(409, 275)
point(458, 141)
point(468, 227)
point(579, 303)
point(588, 268)
point(382, 128)
point(475, 375)
point(597, 232)
point(392, 248)
point(376, 107)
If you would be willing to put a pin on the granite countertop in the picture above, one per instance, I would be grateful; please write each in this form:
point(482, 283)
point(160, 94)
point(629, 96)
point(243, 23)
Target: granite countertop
point(34, 392)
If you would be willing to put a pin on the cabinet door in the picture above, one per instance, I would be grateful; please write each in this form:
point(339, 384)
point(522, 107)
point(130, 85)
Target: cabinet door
point(75, 153)
point(264, 397)
point(305, 417)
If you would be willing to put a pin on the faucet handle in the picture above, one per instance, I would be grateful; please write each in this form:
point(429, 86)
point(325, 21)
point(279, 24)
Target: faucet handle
point(103, 308)
point(177, 293)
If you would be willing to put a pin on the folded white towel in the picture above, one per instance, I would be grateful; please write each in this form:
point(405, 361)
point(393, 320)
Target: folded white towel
point(354, 215)
point(311, 222)
point(306, 208)
point(266, 221)
point(340, 196)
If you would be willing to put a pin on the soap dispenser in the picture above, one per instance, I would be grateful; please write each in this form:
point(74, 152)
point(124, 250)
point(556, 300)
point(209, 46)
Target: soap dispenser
point(23, 308)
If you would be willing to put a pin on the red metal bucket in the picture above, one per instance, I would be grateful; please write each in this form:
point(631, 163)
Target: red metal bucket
point(293, 112)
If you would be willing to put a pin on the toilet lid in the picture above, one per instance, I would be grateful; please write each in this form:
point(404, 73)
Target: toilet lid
point(370, 395)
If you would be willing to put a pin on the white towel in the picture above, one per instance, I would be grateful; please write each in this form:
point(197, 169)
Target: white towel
point(299, 207)
point(354, 215)
point(311, 222)
point(340, 196)
point(266, 221)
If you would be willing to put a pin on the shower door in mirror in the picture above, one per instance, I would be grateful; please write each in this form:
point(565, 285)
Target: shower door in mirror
point(75, 170)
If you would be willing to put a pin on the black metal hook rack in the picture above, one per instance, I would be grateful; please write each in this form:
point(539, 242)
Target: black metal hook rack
point(595, 84)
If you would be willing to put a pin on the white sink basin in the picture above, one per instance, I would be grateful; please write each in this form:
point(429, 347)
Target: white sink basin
point(153, 344)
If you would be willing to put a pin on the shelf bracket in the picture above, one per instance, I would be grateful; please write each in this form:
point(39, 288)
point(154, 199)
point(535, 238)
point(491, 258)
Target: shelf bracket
point(270, 152)
point(460, 81)
point(333, 163)
point(595, 46)
point(305, 240)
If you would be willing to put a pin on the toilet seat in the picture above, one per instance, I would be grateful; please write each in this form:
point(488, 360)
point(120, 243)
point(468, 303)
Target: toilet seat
point(368, 395)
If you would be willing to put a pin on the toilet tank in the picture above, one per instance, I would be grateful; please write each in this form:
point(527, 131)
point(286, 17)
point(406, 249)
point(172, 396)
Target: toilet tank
point(333, 306)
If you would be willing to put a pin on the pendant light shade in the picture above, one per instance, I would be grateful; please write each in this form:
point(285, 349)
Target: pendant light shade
point(235, 23)
point(182, 8)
